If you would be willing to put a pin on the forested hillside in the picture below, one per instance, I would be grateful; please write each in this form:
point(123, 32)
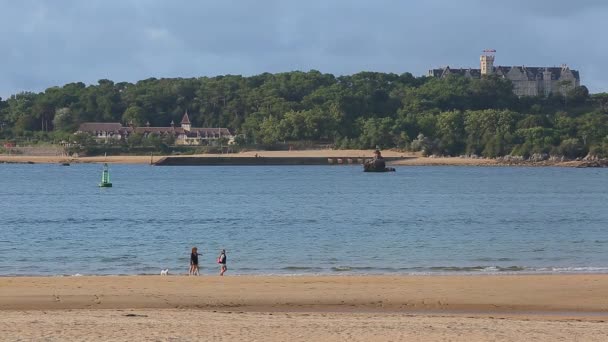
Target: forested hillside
point(451, 116)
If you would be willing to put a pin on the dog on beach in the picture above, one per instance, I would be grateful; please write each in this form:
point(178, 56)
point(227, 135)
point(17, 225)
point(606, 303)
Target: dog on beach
point(164, 272)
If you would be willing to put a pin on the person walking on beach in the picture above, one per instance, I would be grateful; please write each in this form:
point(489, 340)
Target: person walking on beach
point(222, 261)
point(194, 262)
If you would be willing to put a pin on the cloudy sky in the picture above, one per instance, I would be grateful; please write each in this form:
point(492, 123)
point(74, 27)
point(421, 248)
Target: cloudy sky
point(53, 42)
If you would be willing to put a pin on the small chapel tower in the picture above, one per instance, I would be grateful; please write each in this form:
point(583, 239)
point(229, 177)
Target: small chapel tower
point(186, 122)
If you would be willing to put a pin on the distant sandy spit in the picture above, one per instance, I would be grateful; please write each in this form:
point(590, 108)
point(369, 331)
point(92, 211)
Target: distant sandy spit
point(146, 159)
point(306, 308)
point(410, 159)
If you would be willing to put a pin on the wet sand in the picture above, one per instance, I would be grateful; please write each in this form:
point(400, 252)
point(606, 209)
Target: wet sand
point(276, 308)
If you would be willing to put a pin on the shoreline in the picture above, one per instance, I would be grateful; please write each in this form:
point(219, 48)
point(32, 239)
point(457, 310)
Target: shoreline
point(339, 274)
point(409, 159)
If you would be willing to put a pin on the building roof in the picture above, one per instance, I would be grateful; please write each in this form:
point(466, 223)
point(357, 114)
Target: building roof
point(185, 119)
point(155, 129)
point(100, 127)
point(194, 132)
point(116, 127)
point(531, 72)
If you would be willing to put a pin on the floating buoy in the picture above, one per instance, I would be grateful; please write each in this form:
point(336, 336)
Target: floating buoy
point(105, 177)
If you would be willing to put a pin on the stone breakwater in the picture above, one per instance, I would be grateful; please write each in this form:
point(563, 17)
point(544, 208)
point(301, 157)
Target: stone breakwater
point(244, 161)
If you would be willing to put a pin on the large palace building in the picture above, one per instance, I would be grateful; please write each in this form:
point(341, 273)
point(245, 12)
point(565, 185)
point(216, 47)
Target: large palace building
point(527, 81)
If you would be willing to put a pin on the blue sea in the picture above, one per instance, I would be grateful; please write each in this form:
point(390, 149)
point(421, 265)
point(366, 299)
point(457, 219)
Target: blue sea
point(294, 220)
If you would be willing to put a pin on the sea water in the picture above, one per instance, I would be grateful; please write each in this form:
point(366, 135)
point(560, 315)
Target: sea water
point(54, 220)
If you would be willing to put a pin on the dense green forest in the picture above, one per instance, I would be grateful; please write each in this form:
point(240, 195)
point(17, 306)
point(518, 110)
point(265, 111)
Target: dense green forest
point(451, 116)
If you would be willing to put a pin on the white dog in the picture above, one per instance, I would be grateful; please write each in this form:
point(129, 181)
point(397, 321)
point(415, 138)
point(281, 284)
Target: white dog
point(164, 272)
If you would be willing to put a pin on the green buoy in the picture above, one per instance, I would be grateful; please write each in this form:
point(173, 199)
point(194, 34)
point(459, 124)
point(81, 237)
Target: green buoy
point(105, 177)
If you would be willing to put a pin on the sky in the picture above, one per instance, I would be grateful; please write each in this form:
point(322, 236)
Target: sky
point(54, 42)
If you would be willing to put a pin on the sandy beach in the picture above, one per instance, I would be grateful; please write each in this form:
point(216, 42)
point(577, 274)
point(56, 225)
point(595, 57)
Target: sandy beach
point(146, 159)
point(410, 158)
point(328, 308)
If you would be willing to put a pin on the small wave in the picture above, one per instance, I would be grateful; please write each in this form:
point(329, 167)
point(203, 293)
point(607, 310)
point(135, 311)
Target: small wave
point(457, 269)
point(511, 269)
point(352, 268)
point(573, 269)
point(300, 268)
point(431, 270)
point(475, 269)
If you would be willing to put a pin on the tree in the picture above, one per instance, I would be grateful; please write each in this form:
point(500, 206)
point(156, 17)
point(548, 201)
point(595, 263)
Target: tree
point(592, 127)
point(269, 132)
point(376, 132)
point(64, 120)
point(135, 139)
point(81, 143)
point(451, 131)
point(577, 95)
point(455, 114)
point(134, 115)
point(601, 101)
point(571, 148)
point(489, 131)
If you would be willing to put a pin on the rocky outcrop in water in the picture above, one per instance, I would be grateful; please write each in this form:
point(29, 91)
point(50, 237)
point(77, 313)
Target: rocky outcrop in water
point(376, 165)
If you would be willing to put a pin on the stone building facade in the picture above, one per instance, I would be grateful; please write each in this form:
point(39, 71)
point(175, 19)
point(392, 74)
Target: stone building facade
point(527, 81)
point(184, 135)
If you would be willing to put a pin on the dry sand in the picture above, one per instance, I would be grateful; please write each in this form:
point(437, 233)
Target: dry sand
point(306, 308)
point(410, 159)
point(146, 159)
point(197, 325)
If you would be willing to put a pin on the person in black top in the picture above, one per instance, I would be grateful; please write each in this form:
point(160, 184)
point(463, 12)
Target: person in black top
point(194, 262)
point(222, 261)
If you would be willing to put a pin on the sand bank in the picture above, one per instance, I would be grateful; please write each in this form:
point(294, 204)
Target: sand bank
point(146, 159)
point(306, 308)
point(411, 159)
point(580, 294)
